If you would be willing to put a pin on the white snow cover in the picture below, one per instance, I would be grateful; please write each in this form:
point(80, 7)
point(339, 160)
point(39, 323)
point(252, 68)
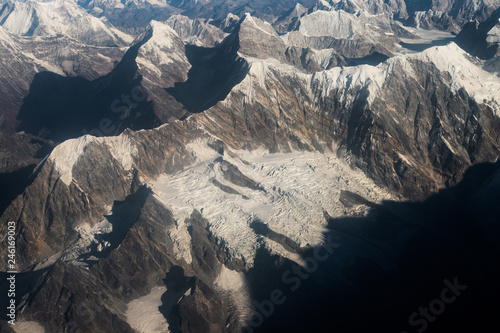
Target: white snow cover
point(122, 149)
point(160, 31)
point(299, 187)
point(349, 79)
point(230, 280)
point(338, 24)
point(493, 35)
point(164, 48)
point(6, 39)
point(319, 84)
point(262, 26)
point(234, 284)
point(143, 314)
point(66, 155)
point(196, 31)
point(466, 72)
point(56, 17)
point(164, 39)
point(343, 25)
point(28, 327)
point(262, 70)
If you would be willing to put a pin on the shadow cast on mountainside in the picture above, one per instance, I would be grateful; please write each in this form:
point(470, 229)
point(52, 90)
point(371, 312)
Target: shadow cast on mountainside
point(124, 215)
point(60, 108)
point(25, 282)
point(420, 47)
point(373, 59)
point(432, 266)
point(214, 72)
point(177, 284)
point(13, 184)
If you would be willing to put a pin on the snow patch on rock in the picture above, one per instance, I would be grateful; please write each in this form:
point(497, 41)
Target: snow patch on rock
point(65, 156)
point(164, 48)
point(88, 241)
point(234, 283)
point(262, 26)
point(180, 236)
point(28, 327)
point(493, 35)
point(143, 314)
point(123, 150)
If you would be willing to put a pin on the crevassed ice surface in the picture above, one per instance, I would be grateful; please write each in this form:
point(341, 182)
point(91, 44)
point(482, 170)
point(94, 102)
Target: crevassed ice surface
point(298, 188)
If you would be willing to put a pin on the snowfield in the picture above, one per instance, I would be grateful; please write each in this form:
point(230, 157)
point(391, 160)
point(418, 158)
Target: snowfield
point(28, 327)
point(296, 189)
point(143, 314)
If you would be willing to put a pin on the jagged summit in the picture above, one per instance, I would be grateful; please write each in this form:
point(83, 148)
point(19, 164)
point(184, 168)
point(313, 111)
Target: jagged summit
point(196, 32)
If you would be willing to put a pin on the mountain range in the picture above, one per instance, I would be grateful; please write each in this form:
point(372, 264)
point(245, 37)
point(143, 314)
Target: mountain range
point(169, 164)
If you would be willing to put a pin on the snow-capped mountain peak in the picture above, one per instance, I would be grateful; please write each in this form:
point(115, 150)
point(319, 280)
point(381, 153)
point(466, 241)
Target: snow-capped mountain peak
point(59, 17)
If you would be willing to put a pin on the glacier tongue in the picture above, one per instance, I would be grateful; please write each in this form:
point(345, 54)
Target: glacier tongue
point(143, 313)
point(296, 189)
